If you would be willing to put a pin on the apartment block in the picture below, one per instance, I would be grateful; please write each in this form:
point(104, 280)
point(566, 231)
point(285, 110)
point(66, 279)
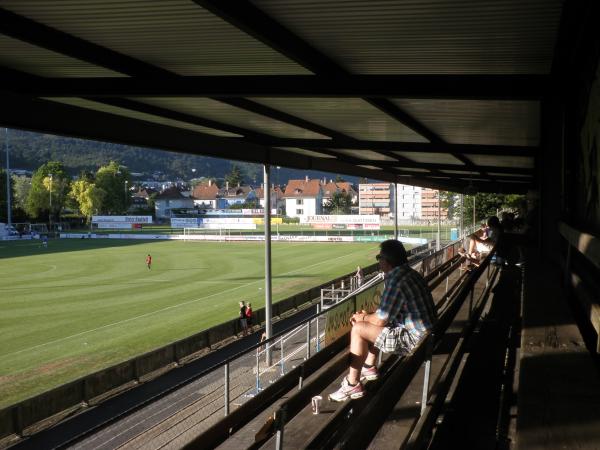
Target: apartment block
point(375, 198)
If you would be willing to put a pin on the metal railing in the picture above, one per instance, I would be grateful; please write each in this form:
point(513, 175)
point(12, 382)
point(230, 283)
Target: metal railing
point(369, 414)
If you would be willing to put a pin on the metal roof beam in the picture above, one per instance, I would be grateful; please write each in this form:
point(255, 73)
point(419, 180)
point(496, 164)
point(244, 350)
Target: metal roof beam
point(40, 35)
point(47, 116)
point(388, 147)
point(371, 87)
point(247, 17)
point(253, 21)
point(440, 167)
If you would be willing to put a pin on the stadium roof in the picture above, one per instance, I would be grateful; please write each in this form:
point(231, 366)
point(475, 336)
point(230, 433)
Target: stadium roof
point(442, 94)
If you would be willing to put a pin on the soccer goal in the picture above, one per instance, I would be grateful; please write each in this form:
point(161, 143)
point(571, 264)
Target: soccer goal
point(205, 234)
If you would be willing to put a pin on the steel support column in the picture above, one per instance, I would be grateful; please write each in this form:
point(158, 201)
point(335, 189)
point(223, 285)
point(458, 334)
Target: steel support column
point(268, 280)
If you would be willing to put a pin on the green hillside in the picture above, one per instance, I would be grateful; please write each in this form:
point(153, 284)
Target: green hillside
point(28, 150)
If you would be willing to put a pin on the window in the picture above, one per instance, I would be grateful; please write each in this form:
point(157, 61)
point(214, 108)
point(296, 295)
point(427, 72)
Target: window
point(299, 201)
point(299, 212)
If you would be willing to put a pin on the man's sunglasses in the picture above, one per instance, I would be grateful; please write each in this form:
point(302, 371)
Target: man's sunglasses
point(378, 257)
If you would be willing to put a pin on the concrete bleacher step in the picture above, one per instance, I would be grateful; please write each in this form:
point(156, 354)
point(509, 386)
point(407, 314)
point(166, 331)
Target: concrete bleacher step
point(559, 386)
point(246, 436)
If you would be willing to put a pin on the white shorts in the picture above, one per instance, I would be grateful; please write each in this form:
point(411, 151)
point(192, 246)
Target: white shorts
point(482, 247)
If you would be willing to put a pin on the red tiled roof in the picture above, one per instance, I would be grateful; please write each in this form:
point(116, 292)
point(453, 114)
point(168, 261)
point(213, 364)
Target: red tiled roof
point(332, 187)
point(302, 188)
point(142, 193)
point(205, 192)
point(260, 192)
point(237, 192)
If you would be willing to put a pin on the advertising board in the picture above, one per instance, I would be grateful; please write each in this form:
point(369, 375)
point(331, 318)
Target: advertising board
point(115, 225)
point(342, 218)
point(338, 317)
point(122, 219)
point(184, 222)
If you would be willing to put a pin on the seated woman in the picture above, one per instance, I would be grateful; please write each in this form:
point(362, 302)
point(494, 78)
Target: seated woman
point(484, 243)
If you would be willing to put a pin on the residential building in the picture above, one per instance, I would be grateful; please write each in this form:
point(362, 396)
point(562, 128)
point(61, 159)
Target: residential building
point(277, 201)
point(303, 198)
point(429, 205)
point(331, 187)
point(237, 195)
point(140, 199)
point(408, 203)
point(170, 199)
point(375, 198)
point(205, 195)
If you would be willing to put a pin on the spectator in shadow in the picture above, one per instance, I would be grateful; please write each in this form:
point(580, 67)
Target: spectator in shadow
point(480, 243)
point(406, 312)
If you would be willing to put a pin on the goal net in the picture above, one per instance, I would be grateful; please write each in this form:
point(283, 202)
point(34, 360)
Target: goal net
point(205, 234)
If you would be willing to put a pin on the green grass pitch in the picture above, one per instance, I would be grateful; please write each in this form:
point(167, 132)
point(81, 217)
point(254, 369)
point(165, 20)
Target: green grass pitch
point(84, 304)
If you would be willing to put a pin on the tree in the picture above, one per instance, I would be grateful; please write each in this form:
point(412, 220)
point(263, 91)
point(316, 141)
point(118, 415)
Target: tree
point(113, 179)
point(50, 182)
point(22, 186)
point(234, 178)
point(87, 196)
point(451, 202)
point(487, 205)
point(4, 197)
point(340, 203)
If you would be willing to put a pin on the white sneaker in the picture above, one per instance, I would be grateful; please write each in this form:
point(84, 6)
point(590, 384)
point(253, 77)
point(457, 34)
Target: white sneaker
point(346, 391)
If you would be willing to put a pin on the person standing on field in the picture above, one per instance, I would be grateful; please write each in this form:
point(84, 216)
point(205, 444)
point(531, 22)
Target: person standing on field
point(243, 320)
point(249, 315)
point(149, 261)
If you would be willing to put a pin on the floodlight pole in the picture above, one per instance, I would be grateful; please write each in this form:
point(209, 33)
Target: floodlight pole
point(395, 210)
point(50, 212)
point(8, 207)
point(268, 297)
point(462, 224)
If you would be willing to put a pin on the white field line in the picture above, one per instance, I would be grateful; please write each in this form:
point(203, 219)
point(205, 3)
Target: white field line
point(44, 344)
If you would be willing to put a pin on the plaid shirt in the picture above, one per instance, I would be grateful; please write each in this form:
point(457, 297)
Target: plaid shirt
point(406, 301)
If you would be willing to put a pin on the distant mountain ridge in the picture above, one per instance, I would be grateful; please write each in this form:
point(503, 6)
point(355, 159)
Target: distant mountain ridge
point(28, 150)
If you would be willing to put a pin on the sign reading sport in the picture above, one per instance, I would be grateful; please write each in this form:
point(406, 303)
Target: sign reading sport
point(366, 221)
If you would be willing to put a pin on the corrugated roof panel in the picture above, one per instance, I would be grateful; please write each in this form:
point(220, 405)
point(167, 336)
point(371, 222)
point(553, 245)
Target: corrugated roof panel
point(509, 175)
point(412, 169)
point(215, 110)
point(483, 122)
point(352, 116)
point(34, 60)
point(365, 154)
point(302, 151)
point(369, 167)
point(83, 103)
point(523, 162)
point(464, 172)
point(432, 158)
point(176, 35)
point(426, 36)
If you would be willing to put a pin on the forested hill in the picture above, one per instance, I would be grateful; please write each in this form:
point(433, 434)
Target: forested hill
point(29, 150)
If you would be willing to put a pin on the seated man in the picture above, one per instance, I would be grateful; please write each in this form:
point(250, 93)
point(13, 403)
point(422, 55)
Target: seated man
point(479, 244)
point(405, 313)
